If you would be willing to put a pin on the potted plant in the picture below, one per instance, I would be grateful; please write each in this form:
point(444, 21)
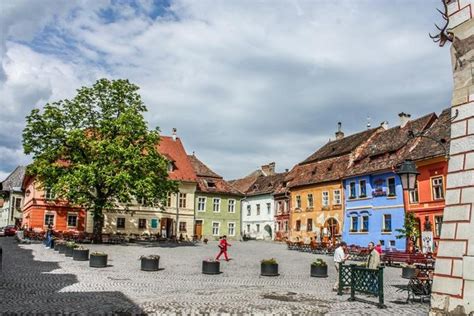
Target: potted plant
point(319, 269)
point(210, 266)
point(80, 254)
point(150, 263)
point(269, 267)
point(411, 233)
point(408, 271)
point(70, 245)
point(58, 244)
point(98, 260)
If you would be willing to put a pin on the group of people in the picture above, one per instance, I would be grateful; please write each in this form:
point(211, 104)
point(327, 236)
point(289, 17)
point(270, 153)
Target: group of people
point(341, 254)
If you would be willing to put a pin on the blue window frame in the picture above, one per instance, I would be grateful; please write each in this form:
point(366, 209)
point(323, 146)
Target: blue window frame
point(354, 224)
point(362, 188)
point(365, 223)
point(387, 222)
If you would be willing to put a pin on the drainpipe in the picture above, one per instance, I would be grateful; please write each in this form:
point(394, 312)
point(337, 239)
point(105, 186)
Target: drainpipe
point(177, 216)
point(241, 218)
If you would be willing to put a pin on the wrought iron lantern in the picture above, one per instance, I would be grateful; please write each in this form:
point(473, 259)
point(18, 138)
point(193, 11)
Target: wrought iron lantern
point(408, 173)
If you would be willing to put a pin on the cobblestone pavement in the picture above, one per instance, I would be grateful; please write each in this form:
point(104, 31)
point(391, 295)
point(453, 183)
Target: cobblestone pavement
point(39, 280)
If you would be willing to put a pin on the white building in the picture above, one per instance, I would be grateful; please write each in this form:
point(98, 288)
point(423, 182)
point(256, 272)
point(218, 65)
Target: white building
point(12, 198)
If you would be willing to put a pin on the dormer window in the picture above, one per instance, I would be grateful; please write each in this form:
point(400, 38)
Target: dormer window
point(170, 166)
point(255, 187)
point(210, 184)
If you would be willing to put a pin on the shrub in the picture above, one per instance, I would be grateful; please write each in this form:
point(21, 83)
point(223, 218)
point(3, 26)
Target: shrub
point(319, 263)
point(269, 261)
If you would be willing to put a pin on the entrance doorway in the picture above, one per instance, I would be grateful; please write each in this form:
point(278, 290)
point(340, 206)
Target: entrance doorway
point(332, 226)
point(198, 229)
point(166, 227)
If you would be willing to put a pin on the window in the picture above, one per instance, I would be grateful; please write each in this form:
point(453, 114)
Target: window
point(352, 190)
point(18, 204)
point(154, 223)
point(382, 242)
point(280, 207)
point(231, 229)
point(325, 198)
point(216, 205)
point(249, 212)
point(285, 207)
point(437, 184)
point(231, 206)
point(310, 200)
point(392, 243)
point(286, 226)
point(414, 194)
point(49, 194)
point(258, 228)
point(258, 209)
point(71, 220)
point(337, 197)
point(142, 223)
point(269, 208)
point(182, 200)
point(248, 228)
point(298, 201)
point(298, 225)
point(120, 222)
point(309, 225)
point(201, 204)
point(391, 186)
point(362, 188)
point(438, 224)
point(215, 228)
point(49, 219)
point(168, 200)
point(365, 223)
point(354, 223)
point(170, 166)
point(387, 222)
point(182, 226)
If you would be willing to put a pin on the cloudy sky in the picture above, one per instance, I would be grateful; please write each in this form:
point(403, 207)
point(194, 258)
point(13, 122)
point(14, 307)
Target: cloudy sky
point(244, 82)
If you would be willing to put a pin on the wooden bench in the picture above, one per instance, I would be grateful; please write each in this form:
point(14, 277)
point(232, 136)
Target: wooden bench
point(389, 258)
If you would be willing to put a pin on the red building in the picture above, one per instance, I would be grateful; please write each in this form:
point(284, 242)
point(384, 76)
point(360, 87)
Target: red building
point(282, 212)
point(427, 201)
point(41, 208)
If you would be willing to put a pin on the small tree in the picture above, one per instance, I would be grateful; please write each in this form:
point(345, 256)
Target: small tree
point(96, 150)
point(410, 229)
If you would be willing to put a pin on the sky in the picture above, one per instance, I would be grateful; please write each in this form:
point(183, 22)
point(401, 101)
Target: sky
point(244, 82)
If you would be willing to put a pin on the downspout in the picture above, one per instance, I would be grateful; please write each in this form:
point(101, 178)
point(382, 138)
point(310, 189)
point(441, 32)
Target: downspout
point(177, 216)
point(241, 218)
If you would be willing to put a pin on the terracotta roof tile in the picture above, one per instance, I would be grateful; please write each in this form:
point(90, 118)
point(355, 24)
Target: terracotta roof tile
point(174, 150)
point(201, 169)
point(266, 184)
point(244, 184)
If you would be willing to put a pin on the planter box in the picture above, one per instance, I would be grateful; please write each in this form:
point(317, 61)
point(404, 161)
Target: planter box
point(408, 272)
point(211, 267)
point(62, 248)
point(57, 246)
point(80, 254)
point(319, 271)
point(269, 269)
point(150, 264)
point(69, 251)
point(98, 261)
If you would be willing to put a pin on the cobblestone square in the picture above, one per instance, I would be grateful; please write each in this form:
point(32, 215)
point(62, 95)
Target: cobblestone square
point(39, 280)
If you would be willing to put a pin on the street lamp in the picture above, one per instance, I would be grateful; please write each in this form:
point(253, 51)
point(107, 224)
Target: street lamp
point(408, 173)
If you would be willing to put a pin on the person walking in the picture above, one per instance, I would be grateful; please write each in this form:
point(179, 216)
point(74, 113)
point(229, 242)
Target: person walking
point(223, 244)
point(340, 256)
point(373, 260)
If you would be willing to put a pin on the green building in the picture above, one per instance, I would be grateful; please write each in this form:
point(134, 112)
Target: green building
point(217, 205)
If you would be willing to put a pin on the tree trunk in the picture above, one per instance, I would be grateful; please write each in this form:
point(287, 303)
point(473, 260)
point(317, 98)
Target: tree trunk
point(98, 225)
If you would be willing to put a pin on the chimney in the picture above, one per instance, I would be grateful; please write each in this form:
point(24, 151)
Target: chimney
point(384, 124)
point(404, 119)
point(269, 169)
point(368, 122)
point(174, 133)
point(286, 170)
point(339, 133)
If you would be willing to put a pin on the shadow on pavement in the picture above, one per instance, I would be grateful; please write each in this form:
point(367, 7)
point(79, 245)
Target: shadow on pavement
point(27, 287)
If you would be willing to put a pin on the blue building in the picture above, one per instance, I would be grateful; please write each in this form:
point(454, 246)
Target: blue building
point(374, 210)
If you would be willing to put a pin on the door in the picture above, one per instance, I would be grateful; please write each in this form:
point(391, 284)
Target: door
point(198, 229)
point(333, 229)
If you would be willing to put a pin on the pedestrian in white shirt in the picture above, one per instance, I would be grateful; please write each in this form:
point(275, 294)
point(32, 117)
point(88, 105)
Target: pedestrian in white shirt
point(340, 256)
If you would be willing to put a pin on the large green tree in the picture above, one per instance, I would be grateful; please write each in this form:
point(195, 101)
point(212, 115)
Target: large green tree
point(96, 150)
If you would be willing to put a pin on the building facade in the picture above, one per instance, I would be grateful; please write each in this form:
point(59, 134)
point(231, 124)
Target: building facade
point(282, 212)
point(12, 198)
point(217, 203)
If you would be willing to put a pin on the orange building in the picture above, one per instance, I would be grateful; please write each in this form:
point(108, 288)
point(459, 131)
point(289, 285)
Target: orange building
point(427, 200)
point(41, 208)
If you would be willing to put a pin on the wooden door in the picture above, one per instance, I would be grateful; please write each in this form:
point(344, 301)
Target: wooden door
point(198, 229)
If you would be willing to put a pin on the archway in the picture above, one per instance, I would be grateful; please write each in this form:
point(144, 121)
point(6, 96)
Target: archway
point(333, 228)
point(268, 229)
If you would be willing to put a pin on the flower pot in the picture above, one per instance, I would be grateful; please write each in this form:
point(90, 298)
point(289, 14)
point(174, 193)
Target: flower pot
point(97, 261)
point(57, 246)
point(69, 251)
point(62, 248)
point(269, 269)
point(211, 267)
point(319, 271)
point(150, 264)
point(408, 272)
point(80, 254)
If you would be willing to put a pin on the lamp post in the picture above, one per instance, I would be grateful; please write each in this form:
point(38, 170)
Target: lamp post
point(407, 173)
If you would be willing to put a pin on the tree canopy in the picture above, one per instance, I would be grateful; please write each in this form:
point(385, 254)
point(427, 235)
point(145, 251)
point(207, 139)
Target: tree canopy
point(97, 151)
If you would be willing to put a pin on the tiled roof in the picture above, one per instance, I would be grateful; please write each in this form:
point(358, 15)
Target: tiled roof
point(174, 150)
point(341, 146)
point(266, 184)
point(331, 169)
point(244, 184)
point(389, 148)
point(14, 180)
point(208, 181)
point(440, 130)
